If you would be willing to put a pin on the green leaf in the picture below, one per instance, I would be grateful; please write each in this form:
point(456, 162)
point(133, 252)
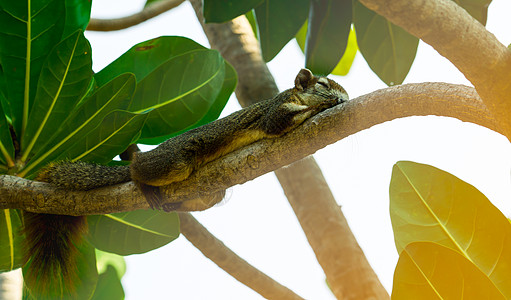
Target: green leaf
point(344, 65)
point(180, 92)
point(111, 137)
point(28, 31)
point(253, 23)
point(427, 270)
point(428, 204)
point(162, 55)
point(87, 271)
point(64, 79)
point(111, 268)
point(77, 15)
point(109, 286)
point(3, 89)
point(112, 97)
point(214, 111)
point(476, 8)
point(278, 24)
point(149, 2)
point(10, 240)
point(327, 35)
point(145, 57)
point(388, 49)
point(218, 11)
point(133, 232)
point(6, 143)
point(105, 259)
point(84, 286)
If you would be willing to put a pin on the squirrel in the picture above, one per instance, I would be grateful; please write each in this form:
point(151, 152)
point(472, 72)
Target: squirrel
point(173, 160)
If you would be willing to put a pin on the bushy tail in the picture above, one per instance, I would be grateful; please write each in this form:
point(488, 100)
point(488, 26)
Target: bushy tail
point(51, 253)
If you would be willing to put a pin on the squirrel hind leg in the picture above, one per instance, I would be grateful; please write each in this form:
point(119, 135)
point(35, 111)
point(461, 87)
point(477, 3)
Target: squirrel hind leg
point(153, 196)
point(156, 168)
point(198, 204)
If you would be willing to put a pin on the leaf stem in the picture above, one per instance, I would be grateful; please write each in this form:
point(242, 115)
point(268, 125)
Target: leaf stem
point(26, 94)
point(8, 158)
point(26, 151)
point(54, 148)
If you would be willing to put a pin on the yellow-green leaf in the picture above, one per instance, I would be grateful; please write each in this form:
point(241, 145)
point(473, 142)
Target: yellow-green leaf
point(344, 65)
point(476, 8)
point(10, 240)
point(427, 270)
point(327, 34)
point(428, 204)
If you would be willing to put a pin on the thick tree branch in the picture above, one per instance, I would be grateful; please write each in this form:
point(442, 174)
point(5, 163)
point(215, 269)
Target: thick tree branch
point(247, 163)
point(230, 262)
point(464, 41)
point(147, 13)
point(332, 234)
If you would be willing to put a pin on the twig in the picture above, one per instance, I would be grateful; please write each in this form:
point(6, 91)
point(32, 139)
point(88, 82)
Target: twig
point(231, 263)
point(147, 13)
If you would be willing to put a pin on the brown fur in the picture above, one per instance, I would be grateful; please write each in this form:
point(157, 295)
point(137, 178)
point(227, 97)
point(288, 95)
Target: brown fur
point(176, 158)
point(50, 253)
point(51, 239)
point(83, 176)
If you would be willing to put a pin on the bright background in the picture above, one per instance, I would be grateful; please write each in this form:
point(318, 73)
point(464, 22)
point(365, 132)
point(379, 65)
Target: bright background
point(256, 220)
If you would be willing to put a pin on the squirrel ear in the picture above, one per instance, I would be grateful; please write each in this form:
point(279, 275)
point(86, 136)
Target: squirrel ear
point(303, 78)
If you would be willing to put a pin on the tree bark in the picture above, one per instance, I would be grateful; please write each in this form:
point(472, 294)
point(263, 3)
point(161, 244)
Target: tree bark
point(247, 163)
point(462, 40)
point(331, 234)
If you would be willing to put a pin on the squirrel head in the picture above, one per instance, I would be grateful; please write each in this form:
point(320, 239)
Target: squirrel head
point(307, 83)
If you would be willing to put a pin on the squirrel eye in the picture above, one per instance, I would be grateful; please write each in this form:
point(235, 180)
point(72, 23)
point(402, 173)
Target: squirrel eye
point(323, 83)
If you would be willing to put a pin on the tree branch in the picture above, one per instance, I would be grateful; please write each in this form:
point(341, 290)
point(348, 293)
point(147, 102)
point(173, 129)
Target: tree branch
point(151, 11)
point(237, 44)
point(464, 41)
point(226, 259)
point(254, 160)
point(332, 234)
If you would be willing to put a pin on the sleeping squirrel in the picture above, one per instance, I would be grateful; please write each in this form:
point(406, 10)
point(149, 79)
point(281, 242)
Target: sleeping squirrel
point(173, 160)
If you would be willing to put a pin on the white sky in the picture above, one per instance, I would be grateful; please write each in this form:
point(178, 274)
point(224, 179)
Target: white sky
point(257, 222)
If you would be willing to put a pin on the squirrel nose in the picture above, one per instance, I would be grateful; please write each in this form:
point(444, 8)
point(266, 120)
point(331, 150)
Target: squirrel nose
point(340, 100)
